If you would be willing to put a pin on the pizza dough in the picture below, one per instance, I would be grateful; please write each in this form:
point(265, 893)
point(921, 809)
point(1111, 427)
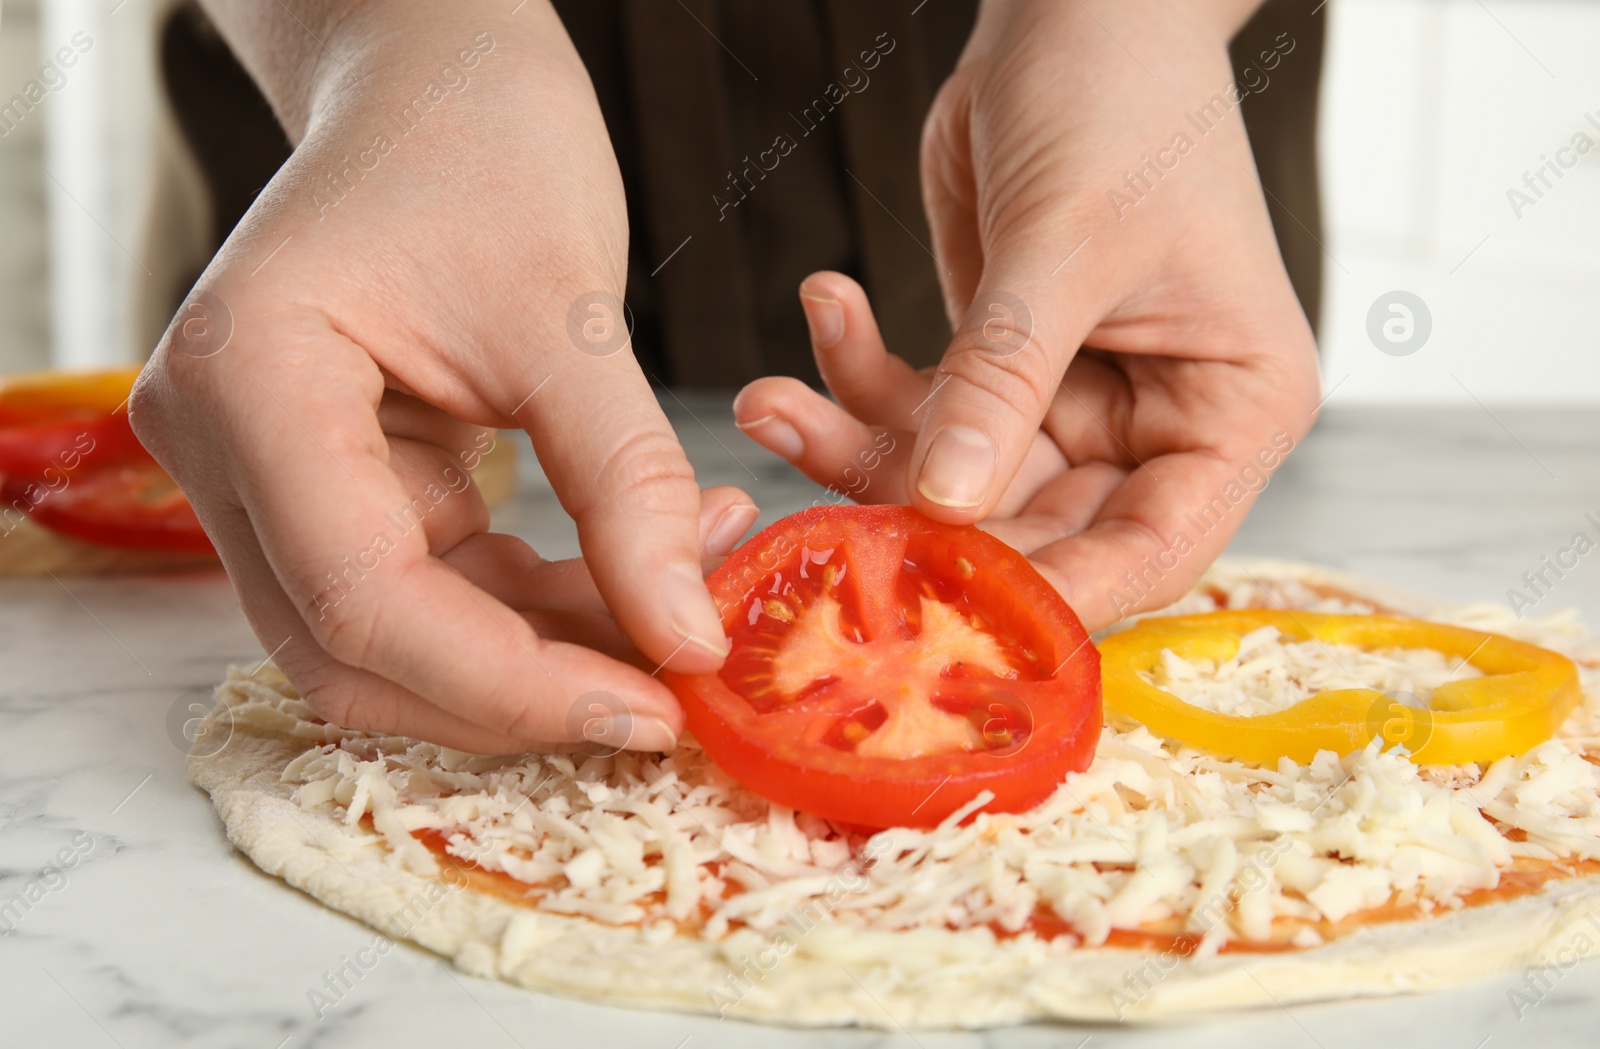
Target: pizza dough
point(758, 914)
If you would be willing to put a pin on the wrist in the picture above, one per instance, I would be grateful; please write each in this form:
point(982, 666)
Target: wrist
point(313, 58)
point(288, 48)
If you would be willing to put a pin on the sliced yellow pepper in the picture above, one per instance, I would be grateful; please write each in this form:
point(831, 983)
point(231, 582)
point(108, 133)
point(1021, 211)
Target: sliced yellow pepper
point(1522, 699)
point(27, 397)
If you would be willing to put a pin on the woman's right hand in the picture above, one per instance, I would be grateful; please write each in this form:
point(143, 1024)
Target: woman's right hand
point(443, 254)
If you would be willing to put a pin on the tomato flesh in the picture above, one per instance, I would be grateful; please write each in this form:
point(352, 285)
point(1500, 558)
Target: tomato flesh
point(887, 668)
point(132, 506)
point(48, 447)
point(70, 460)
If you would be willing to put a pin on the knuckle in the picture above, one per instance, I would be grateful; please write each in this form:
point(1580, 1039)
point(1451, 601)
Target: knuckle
point(998, 322)
point(1291, 391)
point(1287, 402)
point(188, 375)
point(1021, 381)
point(468, 516)
point(146, 410)
point(345, 625)
point(847, 382)
point(335, 705)
point(647, 470)
point(528, 724)
point(948, 115)
point(1141, 534)
point(355, 441)
point(354, 701)
point(178, 369)
point(1304, 399)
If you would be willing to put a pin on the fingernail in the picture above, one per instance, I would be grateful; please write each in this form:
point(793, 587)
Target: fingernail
point(775, 435)
point(730, 528)
point(958, 468)
point(694, 617)
point(826, 318)
point(642, 732)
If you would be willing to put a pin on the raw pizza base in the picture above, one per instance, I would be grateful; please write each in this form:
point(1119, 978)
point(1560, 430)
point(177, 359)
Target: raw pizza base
point(917, 979)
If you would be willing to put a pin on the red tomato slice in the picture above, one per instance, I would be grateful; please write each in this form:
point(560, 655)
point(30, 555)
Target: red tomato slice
point(64, 442)
point(134, 506)
point(887, 668)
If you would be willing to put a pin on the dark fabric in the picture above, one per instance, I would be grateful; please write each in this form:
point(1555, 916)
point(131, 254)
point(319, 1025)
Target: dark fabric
point(230, 129)
point(1281, 119)
point(882, 133)
point(698, 97)
point(765, 147)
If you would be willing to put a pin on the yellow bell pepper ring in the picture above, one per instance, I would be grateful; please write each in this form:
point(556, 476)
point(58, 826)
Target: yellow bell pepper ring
point(27, 397)
point(1522, 699)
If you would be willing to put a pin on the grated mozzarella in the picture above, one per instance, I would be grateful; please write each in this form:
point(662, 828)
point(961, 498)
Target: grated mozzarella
point(1268, 675)
point(1150, 832)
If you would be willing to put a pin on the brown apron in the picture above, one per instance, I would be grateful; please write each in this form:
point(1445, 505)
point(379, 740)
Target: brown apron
point(758, 145)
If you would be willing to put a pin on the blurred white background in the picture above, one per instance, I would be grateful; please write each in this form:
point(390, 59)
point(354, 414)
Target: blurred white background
point(1433, 110)
point(76, 180)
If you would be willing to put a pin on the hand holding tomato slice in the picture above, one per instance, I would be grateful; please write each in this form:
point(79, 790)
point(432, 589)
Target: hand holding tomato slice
point(1128, 448)
point(887, 668)
point(1111, 371)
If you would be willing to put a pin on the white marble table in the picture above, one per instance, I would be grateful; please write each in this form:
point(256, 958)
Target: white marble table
point(162, 936)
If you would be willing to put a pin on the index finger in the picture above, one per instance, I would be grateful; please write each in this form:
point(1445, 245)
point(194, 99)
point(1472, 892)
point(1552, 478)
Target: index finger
point(615, 463)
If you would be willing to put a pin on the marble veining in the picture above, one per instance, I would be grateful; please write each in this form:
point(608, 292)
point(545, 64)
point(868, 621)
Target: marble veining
point(160, 935)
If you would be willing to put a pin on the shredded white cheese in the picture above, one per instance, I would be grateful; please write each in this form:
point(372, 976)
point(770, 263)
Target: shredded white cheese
point(1150, 833)
point(1269, 674)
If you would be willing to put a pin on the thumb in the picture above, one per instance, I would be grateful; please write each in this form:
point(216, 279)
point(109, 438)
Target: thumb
point(996, 381)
